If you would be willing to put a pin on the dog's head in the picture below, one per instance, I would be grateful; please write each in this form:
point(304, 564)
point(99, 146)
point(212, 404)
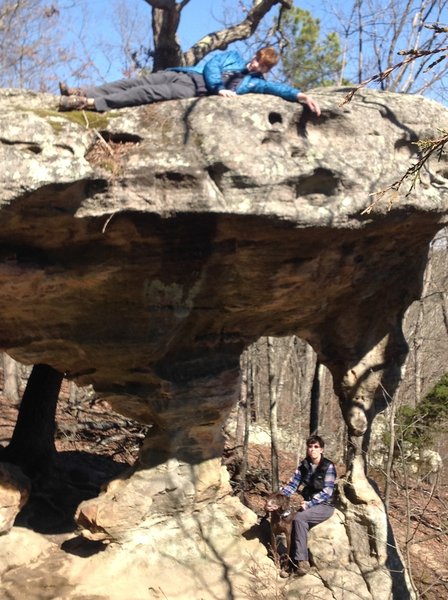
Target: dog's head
point(277, 501)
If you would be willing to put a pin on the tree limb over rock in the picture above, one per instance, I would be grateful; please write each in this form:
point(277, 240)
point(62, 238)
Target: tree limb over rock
point(165, 22)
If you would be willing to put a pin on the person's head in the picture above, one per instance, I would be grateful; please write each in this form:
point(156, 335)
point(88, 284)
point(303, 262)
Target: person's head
point(263, 61)
point(315, 448)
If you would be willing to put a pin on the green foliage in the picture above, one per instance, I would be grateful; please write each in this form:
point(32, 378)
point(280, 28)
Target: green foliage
point(418, 425)
point(307, 61)
point(439, 395)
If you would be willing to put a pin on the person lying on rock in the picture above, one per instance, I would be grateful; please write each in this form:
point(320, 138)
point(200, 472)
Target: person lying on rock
point(317, 475)
point(225, 74)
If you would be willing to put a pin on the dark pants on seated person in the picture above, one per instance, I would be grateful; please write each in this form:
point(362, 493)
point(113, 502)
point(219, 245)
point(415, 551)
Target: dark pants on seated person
point(301, 525)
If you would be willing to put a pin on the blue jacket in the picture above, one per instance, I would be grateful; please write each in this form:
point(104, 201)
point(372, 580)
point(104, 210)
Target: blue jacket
point(252, 83)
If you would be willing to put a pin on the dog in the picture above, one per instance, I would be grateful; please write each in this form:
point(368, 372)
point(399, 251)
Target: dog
point(282, 514)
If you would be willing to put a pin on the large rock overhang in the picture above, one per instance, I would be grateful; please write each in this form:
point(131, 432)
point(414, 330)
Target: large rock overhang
point(145, 248)
point(142, 250)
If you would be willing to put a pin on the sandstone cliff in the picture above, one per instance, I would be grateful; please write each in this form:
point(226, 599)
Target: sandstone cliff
point(142, 251)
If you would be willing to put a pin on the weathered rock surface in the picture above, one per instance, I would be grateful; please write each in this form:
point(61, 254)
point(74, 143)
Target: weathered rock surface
point(14, 493)
point(145, 262)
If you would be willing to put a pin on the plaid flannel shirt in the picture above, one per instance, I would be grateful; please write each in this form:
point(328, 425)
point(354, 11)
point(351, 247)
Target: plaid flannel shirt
point(320, 497)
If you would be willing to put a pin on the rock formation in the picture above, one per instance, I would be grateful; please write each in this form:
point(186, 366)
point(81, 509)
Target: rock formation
point(14, 493)
point(143, 250)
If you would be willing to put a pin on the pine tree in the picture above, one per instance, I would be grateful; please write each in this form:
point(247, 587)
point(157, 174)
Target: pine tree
point(308, 61)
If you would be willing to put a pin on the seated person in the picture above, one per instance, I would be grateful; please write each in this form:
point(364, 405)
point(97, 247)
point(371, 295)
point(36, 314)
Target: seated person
point(317, 475)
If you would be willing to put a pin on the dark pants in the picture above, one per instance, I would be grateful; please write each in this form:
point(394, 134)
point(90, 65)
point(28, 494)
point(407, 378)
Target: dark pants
point(155, 87)
point(301, 525)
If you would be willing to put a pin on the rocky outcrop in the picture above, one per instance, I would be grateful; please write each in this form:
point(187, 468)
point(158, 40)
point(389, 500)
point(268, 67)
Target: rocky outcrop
point(14, 493)
point(142, 251)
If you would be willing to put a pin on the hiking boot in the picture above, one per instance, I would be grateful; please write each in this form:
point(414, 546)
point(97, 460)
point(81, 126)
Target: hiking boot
point(285, 573)
point(303, 566)
point(73, 103)
point(64, 90)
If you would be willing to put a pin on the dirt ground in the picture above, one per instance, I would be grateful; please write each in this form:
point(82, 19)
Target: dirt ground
point(95, 444)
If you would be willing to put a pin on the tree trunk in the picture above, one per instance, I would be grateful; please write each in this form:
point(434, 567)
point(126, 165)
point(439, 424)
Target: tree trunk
point(246, 415)
point(10, 379)
point(315, 398)
point(32, 443)
point(360, 40)
point(166, 15)
point(390, 455)
point(273, 409)
point(167, 50)
point(242, 404)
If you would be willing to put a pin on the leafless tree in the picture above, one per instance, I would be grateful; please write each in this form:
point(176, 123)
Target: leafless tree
point(273, 412)
point(281, 372)
point(32, 444)
point(243, 416)
point(426, 327)
point(377, 32)
point(166, 15)
point(30, 46)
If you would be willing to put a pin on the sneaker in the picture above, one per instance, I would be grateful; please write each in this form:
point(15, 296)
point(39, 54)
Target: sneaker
point(303, 566)
point(73, 103)
point(64, 90)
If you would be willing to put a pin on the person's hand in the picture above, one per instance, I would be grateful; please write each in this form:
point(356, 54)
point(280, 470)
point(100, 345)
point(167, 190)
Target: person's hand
point(303, 505)
point(227, 93)
point(312, 104)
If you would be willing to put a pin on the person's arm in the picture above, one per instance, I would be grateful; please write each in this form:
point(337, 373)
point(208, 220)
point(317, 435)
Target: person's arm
point(293, 483)
point(257, 85)
point(327, 492)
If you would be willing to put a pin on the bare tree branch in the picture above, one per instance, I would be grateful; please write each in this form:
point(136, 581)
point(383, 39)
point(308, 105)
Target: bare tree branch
point(428, 149)
point(220, 40)
point(166, 16)
point(413, 55)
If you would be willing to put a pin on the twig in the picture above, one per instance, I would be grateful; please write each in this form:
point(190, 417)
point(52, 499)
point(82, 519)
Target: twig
point(429, 147)
point(109, 219)
point(412, 55)
point(103, 142)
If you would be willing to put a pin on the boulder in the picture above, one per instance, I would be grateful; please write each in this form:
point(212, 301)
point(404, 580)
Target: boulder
point(14, 492)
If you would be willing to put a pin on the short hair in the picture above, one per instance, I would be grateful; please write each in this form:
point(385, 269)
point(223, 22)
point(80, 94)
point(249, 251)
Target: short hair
point(315, 439)
point(267, 56)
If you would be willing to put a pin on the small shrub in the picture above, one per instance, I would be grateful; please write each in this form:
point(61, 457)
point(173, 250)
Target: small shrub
point(419, 424)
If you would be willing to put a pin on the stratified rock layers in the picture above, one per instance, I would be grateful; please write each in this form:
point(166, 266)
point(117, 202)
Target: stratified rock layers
point(196, 227)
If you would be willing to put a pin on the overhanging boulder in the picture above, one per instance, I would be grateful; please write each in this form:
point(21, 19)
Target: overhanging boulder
point(143, 250)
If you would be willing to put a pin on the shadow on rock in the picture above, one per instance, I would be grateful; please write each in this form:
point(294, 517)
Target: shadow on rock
point(55, 495)
point(82, 547)
point(394, 561)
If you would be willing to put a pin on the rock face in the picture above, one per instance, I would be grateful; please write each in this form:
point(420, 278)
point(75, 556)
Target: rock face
point(14, 492)
point(142, 251)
